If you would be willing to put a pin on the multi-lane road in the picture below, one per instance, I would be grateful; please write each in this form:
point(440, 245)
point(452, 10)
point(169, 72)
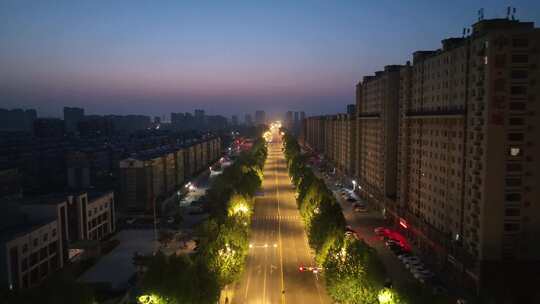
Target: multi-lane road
point(278, 245)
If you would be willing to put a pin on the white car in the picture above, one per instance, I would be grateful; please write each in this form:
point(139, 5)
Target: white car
point(413, 264)
point(404, 256)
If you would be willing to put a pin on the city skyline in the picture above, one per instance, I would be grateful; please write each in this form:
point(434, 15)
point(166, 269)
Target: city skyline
point(153, 60)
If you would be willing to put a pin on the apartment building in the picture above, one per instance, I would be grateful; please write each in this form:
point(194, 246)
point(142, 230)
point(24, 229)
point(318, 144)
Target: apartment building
point(33, 239)
point(467, 172)
point(91, 216)
point(179, 167)
point(159, 173)
point(315, 133)
point(377, 133)
point(30, 252)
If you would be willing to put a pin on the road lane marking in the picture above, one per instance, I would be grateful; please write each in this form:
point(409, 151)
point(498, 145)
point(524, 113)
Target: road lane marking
point(280, 243)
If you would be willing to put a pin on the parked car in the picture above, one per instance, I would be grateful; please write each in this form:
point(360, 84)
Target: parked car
point(398, 249)
point(410, 259)
point(361, 209)
point(391, 242)
point(381, 231)
point(413, 263)
point(404, 256)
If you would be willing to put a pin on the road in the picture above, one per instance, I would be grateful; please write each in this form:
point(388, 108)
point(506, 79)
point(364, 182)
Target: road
point(279, 245)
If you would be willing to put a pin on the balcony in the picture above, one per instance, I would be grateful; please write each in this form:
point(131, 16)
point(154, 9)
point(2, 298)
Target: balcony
point(444, 112)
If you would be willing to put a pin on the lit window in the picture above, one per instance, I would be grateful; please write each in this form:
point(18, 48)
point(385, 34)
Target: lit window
point(515, 151)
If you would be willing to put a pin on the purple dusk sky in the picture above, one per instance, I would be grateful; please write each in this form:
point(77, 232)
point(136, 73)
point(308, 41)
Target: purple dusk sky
point(227, 57)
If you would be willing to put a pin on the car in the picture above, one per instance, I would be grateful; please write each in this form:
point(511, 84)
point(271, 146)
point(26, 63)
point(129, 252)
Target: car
point(403, 256)
point(360, 209)
point(351, 199)
point(418, 269)
point(423, 274)
point(413, 264)
point(391, 242)
point(381, 231)
point(131, 221)
point(170, 220)
point(398, 250)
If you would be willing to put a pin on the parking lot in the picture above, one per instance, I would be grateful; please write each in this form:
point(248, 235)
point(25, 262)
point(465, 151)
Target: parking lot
point(404, 269)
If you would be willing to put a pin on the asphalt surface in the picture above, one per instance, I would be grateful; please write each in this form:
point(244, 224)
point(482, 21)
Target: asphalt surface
point(278, 245)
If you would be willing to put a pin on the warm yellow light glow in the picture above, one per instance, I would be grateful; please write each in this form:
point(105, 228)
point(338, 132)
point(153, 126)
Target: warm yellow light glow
point(150, 299)
point(385, 296)
point(240, 208)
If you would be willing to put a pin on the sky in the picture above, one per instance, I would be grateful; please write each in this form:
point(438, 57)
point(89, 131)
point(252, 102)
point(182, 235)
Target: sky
point(226, 57)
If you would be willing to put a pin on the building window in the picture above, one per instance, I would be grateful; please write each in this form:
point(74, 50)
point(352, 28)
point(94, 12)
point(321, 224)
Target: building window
point(520, 42)
point(519, 74)
point(515, 136)
point(54, 232)
point(517, 106)
point(512, 212)
point(513, 167)
point(513, 182)
point(513, 197)
point(25, 248)
point(518, 90)
point(511, 227)
point(35, 242)
point(516, 121)
point(515, 151)
point(520, 58)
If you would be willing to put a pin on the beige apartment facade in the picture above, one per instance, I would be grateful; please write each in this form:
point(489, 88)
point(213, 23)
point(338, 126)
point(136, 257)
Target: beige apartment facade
point(377, 134)
point(467, 175)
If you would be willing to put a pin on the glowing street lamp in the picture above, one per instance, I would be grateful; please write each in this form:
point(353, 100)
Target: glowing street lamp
point(353, 185)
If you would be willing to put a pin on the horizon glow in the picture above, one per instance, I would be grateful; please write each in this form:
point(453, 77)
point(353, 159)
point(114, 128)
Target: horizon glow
point(227, 58)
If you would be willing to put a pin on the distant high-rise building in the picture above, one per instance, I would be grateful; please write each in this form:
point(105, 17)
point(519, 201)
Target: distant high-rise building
point(260, 117)
point(49, 128)
point(234, 120)
point(17, 119)
point(289, 120)
point(302, 115)
point(72, 117)
point(351, 109)
point(95, 126)
point(248, 120)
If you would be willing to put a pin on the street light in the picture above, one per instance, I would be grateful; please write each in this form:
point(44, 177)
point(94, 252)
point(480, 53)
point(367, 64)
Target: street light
point(353, 185)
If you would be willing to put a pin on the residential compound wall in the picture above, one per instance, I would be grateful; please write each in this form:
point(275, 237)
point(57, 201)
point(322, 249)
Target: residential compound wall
point(448, 149)
point(159, 173)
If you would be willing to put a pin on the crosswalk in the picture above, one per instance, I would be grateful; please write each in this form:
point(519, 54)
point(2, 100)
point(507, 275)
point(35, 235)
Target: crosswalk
point(276, 218)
